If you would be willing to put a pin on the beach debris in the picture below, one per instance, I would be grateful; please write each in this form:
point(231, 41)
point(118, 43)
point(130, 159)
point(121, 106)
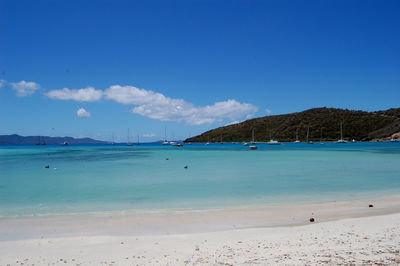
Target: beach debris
point(47, 166)
point(186, 167)
point(370, 206)
point(312, 220)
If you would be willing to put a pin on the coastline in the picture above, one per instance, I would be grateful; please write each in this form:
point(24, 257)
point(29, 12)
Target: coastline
point(159, 222)
point(344, 232)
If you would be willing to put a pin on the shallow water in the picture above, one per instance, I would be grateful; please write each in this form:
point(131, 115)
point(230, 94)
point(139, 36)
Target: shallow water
point(107, 178)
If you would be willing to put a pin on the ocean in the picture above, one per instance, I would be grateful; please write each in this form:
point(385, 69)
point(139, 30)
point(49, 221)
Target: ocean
point(151, 177)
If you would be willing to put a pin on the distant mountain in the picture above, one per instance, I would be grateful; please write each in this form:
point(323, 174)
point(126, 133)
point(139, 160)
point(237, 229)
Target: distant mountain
point(323, 123)
point(17, 139)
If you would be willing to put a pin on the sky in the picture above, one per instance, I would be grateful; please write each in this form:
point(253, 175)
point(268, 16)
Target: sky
point(96, 68)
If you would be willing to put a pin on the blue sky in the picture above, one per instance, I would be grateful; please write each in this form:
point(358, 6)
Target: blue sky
point(189, 66)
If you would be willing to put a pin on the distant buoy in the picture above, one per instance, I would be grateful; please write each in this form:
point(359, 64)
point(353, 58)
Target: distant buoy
point(167, 159)
point(371, 206)
point(186, 167)
point(47, 166)
point(54, 168)
point(312, 220)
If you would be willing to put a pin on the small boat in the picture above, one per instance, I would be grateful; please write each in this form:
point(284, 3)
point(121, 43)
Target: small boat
point(245, 144)
point(341, 140)
point(308, 133)
point(64, 143)
point(41, 142)
point(394, 140)
point(252, 146)
point(128, 143)
point(176, 144)
point(297, 136)
point(273, 142)
point(165, 142)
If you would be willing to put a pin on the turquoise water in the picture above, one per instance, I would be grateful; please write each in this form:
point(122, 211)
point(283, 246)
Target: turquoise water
point(108, 178)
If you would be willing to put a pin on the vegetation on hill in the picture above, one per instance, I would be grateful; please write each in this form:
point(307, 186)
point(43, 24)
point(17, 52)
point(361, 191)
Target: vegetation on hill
point(323, 124)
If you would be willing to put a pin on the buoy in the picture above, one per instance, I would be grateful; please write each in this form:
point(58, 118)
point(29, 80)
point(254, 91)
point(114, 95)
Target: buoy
point(167, 159)
point(312, 220)
point(47, 166)
point(370, 205)
point(186, 167)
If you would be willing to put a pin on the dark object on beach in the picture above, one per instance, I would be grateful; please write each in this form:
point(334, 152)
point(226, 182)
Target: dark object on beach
point(371, 206)
point(312, 220)
point(47, 166)
point(186, 167)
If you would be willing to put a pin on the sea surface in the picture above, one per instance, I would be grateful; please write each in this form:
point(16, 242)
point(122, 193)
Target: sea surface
point(151, 177)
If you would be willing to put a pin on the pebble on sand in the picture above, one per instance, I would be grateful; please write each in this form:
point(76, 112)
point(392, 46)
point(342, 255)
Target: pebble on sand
point(186, 167)
point(312, 220)
point(370, 206)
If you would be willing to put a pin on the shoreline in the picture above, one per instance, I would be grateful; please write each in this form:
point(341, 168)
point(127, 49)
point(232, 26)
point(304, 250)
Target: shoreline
point(140, 223)
point(347, 232)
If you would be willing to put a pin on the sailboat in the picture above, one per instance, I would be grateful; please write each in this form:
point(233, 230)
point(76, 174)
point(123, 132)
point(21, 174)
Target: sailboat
point(138, 142)
point(297, 136)
point(208, 140)
point(308, 133)
point(320, 137)
point(272, 141)
point(112, 142)
point(165, 142)
point(128, 143)
point(253, 146)
point(41, 141)
point(341, 140)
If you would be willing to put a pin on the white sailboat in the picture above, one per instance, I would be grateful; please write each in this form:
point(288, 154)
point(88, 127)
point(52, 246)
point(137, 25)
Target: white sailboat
point(128, 143)
point(297, 136)
point(253, 146)
point(308, 133)
point(341, 140)
point(272, 141)
point(112, 142)
point(165, 142)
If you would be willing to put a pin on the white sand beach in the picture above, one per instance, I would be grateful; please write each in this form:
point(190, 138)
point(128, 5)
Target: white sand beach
point(343, 233)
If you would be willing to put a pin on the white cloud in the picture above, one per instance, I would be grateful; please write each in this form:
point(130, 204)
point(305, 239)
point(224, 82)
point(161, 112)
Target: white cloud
point(158, 106)
point(268, 111)
point(82, 113)
point(25, 88)
point(149, 135)
point(88, 94)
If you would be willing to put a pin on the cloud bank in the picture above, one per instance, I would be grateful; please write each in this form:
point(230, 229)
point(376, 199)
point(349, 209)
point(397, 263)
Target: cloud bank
point(157, 106)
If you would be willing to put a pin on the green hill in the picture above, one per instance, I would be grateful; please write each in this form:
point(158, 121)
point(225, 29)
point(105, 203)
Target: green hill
point(323, 123)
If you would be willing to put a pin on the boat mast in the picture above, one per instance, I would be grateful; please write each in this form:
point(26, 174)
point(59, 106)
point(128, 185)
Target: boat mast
point(252, 135)
point(297, 133)
point(341, 130)
point(308, 132)
point(128, 136)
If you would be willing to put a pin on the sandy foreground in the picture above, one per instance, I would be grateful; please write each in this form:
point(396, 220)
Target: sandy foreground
point(343, 233)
